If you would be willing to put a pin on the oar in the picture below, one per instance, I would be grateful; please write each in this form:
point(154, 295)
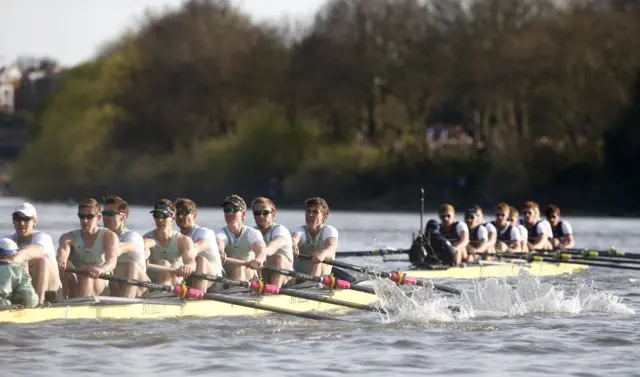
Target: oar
point(327, 281)
point(262, 288)
point(540, 258)
point(372, 253)
point(398, 277)
point(185, 292)
point(610, 253)
point(559, 255)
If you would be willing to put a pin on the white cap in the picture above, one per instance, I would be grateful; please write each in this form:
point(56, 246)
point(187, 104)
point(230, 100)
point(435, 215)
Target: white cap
point(8, 247)
point(26, 209)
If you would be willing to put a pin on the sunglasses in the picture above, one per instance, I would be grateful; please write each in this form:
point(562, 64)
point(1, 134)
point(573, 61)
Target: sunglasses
point(527, 212)
point(262, 212)
point(184, 212)
point(21, 218)
point(445, 215)
point(160, 215)
point(500, 215)
point(230, 209)
point(552, 217)
point(89, 216)
point(110, 213)
point(470, 217)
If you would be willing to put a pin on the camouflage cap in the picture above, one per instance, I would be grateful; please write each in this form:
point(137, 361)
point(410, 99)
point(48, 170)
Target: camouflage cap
point(236, 200)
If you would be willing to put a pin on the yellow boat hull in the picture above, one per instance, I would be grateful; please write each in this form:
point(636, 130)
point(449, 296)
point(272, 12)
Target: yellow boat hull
point(115, 308)
point(499, 269)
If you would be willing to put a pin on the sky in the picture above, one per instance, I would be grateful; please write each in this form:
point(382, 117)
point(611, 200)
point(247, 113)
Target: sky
point(72, 31)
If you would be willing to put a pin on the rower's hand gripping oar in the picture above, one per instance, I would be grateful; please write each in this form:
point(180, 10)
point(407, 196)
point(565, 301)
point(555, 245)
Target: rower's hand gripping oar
point(398, 277)
point(185, 292)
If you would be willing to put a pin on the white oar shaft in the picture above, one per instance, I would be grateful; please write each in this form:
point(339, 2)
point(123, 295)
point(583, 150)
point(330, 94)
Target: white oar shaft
point(156, 267)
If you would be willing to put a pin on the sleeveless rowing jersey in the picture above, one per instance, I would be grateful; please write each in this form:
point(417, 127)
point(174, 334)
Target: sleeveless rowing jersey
point(170, 253)
point(453, 234)
point(279, 230)
point(534, 231)
point(138, 256)
point(561, 230)
point(308, 245)
point(507, 234)
point(211, 253)
point(477, 235)
point(88, 256)
point(240, 247)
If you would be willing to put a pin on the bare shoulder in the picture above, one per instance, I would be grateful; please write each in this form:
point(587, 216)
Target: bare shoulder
point(67, 238)
point(184, 240)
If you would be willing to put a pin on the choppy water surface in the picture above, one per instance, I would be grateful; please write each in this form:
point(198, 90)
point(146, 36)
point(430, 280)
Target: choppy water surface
point(583, 325)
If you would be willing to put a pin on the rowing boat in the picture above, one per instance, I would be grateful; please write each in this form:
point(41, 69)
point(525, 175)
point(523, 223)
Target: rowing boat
point(154, 308)
point(486, 269)
point(113, 308)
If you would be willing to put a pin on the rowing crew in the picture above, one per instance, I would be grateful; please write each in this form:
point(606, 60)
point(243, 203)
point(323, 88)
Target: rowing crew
point(452, 242)
point(31, 269)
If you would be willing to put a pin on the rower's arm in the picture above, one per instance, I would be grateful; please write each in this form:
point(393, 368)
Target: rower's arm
point(537, 244)
point(463, 241)
point(200, 246)
point(111, 250)
point(127, 247)
point(64, 247)
point(514, 247)
point(569, 244)
point(274, 245)
point(29, 252)
point(185, 245)
point(329, 248)
point(493, 238)
point(481, 248)
point(259, 249)
point(148, 244)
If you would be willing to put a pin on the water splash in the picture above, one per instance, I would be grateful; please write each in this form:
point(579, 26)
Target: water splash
point(496, 297)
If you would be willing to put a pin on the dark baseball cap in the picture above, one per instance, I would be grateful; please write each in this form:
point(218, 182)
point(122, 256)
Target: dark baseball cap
point(236, 201)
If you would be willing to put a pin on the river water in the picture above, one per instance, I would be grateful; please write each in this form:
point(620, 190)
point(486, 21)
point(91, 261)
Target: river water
point(581, 325)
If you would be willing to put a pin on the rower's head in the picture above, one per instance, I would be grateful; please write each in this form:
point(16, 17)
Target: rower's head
point(502, 214)
point(264, 211)
point(316, 211)
point(114, 213)
point(235, 209)
point(472, 218)
point(530, 212)
point(186, 213)
point(479, 213)
point(514, 216)
point(8, 249)
point(552, 213)
point(24, 219)
point(89, 213)
point(432, 227)
point(163, 212)
point(446, 212)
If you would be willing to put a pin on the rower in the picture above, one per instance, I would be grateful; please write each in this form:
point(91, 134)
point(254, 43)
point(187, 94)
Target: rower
point(537, 238)
point(508, 235)
point(167, 247)
point(454, 231)
point(239, 241)
point(15, 283)
point(561, 229)
point(208, 259)
point(478, 235)
point(315, 238)
point(279, 249)
point(132, 262)
point(491, 229)
point(514, 220)
point(547, 225)
point(90, 248)
point(37, 250)
point(431, 249)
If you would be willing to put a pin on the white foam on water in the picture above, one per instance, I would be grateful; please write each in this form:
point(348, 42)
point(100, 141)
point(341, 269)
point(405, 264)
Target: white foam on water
point(496, 297)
